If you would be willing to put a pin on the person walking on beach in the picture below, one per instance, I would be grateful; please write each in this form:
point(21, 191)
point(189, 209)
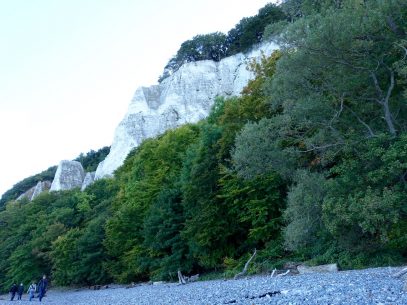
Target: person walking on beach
point(42, 287)
point(13, 291)
point(20, 291)
point(31, 290)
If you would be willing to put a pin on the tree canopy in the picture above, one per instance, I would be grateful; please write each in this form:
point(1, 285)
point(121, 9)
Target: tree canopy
point(309, 163)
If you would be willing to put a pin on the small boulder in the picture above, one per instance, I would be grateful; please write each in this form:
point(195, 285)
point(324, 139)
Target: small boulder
point(302, 269)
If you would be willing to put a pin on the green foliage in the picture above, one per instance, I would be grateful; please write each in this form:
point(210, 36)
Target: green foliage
point(55, 235)
point(256, 207)
point(216, 46)
point(366, 195)
point(91, 159)
point(304, 210)
point(350, 77)
point(201, 47)
point(163, 224)
point(153, 168)
point(202, 210)
point(308, 164)
point(334, 133)
point(249, 31)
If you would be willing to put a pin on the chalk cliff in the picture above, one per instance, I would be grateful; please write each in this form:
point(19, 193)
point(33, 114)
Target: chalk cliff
point(32, 193)
point(69, 174)
point(88, 180)
point(185, 97)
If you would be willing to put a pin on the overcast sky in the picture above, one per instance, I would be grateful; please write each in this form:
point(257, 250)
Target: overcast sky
point(68, 69)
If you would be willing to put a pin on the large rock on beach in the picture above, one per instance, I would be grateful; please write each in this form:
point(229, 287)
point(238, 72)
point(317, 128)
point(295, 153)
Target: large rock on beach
point(302, 269)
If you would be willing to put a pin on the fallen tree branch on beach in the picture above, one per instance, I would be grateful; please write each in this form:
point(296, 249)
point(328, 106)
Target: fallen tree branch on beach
point(274, 271)
point(283, 274)
point(246, 266)
point(182, 280)
point(400, 273)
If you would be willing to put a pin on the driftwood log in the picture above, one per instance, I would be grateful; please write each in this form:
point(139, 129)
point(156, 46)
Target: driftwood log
point(246, 266)
point(283, 274)
point(181, 278)
point(274, 272)
point(400, 273)
point(186, 279)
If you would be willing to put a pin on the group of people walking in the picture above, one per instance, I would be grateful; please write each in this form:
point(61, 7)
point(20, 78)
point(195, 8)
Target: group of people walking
point(41, 288)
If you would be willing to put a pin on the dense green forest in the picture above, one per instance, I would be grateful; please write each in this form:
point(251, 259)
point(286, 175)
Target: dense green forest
point(308, 164)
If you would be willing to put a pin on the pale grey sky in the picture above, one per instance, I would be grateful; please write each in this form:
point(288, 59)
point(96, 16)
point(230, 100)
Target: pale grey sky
point(68, 69)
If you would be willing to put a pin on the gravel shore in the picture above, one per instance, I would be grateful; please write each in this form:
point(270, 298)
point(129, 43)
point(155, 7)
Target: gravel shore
point(358, 287)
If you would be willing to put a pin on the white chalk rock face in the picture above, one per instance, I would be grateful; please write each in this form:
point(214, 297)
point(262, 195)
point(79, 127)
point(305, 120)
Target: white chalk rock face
point(88, 180)
point(32, 193)
point(69, 174)
point(28, 194)
point(185, 97)
point(42, 186)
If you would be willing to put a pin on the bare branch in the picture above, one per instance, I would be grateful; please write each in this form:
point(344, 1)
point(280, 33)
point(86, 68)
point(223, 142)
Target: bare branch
point(400, 273)
point(274, 271)
point(338, 113)
point(321, 147)
point(370, 131)
point(404, 49)
point(377, 87)
point(394, 27)
point(387, 113)
point(244, 271)
point(181, 278)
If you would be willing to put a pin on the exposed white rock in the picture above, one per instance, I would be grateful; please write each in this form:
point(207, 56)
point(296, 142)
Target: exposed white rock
point(42, 186)
point(89, 178)
point(28, 194)
point(70, 174)
point(185, 97)
point(302, 269)
point(32, 193)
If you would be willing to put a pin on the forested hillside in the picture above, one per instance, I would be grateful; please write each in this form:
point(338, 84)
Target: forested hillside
point(89, 162)
point(308, 164)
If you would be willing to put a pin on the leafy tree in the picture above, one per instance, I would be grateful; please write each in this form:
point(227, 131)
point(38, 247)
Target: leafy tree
point(206, 225)
point(216, 46)
point(163, 224)
point(250, 30)
point(152, 168)
point(256, 206)
point(364, 204)
point(91, 159)
point(304, 210)
point(350, 70)
point(201, 47)
point(78, 256)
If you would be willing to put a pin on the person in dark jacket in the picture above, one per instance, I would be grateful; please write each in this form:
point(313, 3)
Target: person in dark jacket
point(42, 287)
point(13, 291)
point(20, 291)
